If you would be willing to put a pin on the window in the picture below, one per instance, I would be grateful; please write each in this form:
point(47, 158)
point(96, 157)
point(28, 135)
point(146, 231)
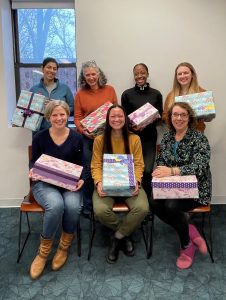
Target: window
point(40, 33)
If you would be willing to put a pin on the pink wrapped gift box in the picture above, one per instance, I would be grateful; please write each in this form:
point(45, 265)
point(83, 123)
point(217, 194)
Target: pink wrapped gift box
point(118, 175)
point(57, 172)
point(29, 111)
point(95, 122)
point(202, 103)
point(175, 187)
point(144, 115)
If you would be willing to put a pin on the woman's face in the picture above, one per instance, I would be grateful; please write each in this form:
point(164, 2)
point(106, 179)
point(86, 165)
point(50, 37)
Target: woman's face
point(140, 75)
point(58, 118)
point(116, 118)
point(180, 118)
point(91, 77)
point(49, 71)
point(184, 76)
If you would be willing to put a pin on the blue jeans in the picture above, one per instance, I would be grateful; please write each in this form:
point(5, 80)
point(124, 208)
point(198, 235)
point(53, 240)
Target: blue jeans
point(88, 186)
point(61, 207)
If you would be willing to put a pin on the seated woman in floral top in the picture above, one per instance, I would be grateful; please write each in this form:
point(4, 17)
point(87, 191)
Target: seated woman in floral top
point(183, 151)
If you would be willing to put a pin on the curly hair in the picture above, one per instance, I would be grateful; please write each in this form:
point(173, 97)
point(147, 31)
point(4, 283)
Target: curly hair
point(91, 64)
point(192, 122)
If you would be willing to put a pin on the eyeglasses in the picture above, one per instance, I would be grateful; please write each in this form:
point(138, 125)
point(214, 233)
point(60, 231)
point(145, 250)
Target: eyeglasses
point(183, 116)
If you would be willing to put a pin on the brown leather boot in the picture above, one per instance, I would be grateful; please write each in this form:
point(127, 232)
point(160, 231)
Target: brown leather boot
point(62, 250)
point(39, 262)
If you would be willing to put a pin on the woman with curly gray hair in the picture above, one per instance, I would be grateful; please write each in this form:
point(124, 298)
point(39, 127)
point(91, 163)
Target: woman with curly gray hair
point(93, 93)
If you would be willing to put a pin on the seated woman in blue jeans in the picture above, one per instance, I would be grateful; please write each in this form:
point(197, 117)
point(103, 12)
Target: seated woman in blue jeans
point(62, 207)
point(183, 151)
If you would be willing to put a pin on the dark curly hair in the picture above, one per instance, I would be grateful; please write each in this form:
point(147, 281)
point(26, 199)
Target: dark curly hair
point(192, 122)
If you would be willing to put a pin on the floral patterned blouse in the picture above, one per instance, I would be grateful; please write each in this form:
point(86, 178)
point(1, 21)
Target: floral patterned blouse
point(192, 156)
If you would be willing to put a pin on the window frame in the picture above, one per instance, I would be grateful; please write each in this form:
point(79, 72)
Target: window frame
point(18, 64)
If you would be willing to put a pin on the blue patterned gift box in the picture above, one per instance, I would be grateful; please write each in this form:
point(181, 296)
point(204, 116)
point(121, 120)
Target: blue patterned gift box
point(29, 111)
point(175, 187)
point(202, 103)
point(118, 175)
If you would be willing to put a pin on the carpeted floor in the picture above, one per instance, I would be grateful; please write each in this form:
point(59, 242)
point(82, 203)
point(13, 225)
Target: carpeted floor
point(129, 278)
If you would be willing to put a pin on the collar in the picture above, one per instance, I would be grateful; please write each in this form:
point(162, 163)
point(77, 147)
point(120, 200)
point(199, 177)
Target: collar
point(143, 87)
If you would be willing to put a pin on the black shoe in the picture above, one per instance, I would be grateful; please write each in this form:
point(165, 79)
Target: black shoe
point(113, 251)
point(127, 246)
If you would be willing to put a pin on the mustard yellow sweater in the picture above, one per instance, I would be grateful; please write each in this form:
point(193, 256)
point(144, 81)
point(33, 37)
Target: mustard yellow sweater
point(118, 148)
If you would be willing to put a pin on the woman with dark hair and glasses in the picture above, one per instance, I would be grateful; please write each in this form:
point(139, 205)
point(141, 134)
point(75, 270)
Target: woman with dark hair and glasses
point(118, 140)
point(134, 98)
point(93, 93)
point(183, 151)
point(50, 87)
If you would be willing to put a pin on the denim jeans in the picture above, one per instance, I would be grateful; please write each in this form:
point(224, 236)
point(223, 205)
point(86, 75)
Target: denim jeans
point(88, 186)
point(61, 207)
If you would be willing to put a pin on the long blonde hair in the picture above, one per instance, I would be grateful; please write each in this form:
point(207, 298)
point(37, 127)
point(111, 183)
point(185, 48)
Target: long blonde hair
point(193, 88)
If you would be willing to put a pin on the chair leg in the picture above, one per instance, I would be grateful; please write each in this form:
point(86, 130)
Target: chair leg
point(210, 244)
point(20, 250)
point(79, 239)
point(148, 234)
point(92, 233)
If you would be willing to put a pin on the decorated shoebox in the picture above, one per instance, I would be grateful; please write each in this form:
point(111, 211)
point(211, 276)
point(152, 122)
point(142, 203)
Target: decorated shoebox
point(175, 187)
point(202, 103)
point(57, 172)
point(118, 175)
point(95, 122)
point(144, 115)
point(29, 111)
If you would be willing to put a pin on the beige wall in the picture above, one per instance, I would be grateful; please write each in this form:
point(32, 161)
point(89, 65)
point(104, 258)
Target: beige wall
point(119, 34)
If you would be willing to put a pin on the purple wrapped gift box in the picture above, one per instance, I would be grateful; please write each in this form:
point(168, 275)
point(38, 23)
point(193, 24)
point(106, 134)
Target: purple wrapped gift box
point(57, 172)
point(144, 115)
point(175, 187)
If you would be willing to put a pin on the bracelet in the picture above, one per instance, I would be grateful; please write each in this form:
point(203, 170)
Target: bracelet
point(172, 172)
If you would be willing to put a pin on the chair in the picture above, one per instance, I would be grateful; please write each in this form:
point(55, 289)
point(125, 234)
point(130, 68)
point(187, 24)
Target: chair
point(203, 210)
point(123, 208)
point(29, 205)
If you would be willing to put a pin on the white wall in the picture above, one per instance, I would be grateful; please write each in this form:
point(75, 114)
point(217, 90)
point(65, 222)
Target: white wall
point(119, 34)
point(14, 141)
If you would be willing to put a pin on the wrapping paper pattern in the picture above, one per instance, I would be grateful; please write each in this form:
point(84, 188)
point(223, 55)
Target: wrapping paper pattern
point(144, 115)
point(57, 172)
point(95, 122)
point(202, 103)
point(29, 111)
point(175, 187)
point(118, 175)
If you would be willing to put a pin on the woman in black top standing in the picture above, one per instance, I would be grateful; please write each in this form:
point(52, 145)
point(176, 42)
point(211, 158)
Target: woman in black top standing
point(133, 99)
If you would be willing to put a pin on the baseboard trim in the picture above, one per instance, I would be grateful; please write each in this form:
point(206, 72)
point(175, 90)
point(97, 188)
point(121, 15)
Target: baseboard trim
point(10, 202)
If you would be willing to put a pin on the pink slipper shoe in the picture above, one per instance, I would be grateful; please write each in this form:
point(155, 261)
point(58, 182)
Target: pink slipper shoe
point(197, 239)
point(185, 259)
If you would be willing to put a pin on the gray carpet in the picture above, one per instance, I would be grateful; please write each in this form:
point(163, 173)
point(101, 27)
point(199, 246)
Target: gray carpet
point(129, 278)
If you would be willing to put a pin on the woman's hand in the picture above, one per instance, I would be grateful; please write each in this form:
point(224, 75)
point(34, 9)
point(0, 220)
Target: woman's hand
point(89, 135)
point(161, 171)
point(79, 185)
point(135, 192)
point(31, 174)
point(100, 191)
point(138, 128)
